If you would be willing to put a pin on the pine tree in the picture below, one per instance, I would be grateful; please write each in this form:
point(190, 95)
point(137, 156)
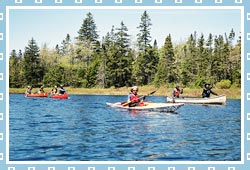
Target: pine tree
point(33, 70)
point(88, 30)
point(147, 55)
point(14, 70)
point(144, 37)
point(218, 67)
point(202, 61)
point(119, 62)
point(106, 75)
point(65, 47)
point(190, 63)
point(209, 47)
point(167, 67)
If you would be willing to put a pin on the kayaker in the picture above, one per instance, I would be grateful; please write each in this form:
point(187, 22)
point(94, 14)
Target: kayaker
point(41, 90)
point(28, 90)
point(177, 91)
point(62, 90)
point(54, 90)
point(207, 91)
point(134, 99)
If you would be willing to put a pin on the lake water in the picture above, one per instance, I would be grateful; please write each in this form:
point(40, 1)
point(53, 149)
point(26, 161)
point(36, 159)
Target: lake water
point(84, 128)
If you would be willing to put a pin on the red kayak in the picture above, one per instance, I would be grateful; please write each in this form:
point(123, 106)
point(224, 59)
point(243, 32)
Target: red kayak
point(60, 96)
point(37, 95)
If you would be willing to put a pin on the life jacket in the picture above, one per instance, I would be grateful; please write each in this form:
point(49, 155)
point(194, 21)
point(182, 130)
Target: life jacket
point(176, 92)
point(134, 98)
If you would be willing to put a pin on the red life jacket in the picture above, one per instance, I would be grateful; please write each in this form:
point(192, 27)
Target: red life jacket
point(176, 92)
point(134, 98)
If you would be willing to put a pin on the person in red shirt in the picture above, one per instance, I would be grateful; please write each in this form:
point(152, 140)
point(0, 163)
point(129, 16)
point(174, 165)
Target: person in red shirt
point(134, 98)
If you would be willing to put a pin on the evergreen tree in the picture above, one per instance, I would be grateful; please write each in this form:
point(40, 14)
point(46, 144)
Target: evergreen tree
point(147, 56)
point(20, 55)
point(190, 65)
point(54, 76)
point(57, 48)
point(105, 73)
point(166, 72)
point(88, 30)
point(202, 61)
point(119, 63)
point(218, 67)
point(14, 70)
point(33, 70)
point(144, 37)
point(65, 47)
point(209, 46)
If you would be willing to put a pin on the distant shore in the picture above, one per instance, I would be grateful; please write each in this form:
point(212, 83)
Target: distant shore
point(233, 93)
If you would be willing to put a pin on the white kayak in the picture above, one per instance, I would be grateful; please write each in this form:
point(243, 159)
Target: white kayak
point(192, 100)
point(166, 107)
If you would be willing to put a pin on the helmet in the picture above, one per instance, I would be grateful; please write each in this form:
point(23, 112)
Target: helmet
point(134, 88)
point(55, 86)
point(177, 85)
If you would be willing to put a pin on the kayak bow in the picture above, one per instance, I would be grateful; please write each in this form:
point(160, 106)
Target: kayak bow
point(166, 107)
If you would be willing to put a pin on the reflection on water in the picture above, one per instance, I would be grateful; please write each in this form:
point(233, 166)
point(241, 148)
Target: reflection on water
point(84, 128)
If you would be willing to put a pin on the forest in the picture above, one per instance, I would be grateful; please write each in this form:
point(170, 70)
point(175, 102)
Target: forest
point(89, 60)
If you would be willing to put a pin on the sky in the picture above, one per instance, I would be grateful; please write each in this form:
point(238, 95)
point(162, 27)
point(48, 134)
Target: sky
point(50, 26)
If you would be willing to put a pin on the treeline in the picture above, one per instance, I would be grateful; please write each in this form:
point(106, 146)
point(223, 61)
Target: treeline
point(115, 61)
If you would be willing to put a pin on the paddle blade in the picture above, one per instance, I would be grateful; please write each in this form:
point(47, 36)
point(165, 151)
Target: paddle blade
point(152, 92)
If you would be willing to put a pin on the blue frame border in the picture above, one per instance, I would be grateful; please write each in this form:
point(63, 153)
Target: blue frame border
point(4, 92)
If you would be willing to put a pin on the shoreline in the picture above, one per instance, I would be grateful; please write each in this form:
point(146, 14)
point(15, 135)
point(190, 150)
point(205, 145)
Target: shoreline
point(234, 93)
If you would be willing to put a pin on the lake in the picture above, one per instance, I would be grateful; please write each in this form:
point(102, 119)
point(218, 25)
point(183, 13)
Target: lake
point(84, 128)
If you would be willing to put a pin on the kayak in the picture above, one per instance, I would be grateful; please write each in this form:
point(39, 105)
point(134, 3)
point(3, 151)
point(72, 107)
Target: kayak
point(166, 107)
point(220, 100)
point(60, 96)
point(37, 95)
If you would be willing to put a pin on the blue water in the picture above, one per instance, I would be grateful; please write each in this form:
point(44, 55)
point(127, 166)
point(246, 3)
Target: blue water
point(84, 128)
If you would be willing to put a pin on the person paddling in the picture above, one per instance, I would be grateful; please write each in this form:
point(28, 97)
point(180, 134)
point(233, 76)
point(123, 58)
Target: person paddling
point(41, 90)
point(177, 91)
point(28, 90)
point(207, 91)
point(62, 90)
point(54, 90)
point(134, 99)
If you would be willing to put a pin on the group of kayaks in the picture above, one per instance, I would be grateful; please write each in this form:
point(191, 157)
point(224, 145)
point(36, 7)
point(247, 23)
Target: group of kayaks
point(46, 94)
point(172, 104)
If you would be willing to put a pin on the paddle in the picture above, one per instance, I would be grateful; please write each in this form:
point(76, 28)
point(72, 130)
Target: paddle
point(128, 102)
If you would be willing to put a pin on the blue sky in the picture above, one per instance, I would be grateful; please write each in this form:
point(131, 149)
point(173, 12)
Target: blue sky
point(52, 26)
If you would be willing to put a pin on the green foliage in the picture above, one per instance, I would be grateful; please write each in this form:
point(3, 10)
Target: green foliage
point(15, 70)
point(33, 70)
point(112, 62)
point(166, 72)
point(223, 84)
point(143, 37)
point(55, 76)
point(145, 64)
point(88, 30)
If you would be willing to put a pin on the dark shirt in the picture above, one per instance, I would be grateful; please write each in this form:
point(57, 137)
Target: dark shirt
point(62, 91)
point(207, 92)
